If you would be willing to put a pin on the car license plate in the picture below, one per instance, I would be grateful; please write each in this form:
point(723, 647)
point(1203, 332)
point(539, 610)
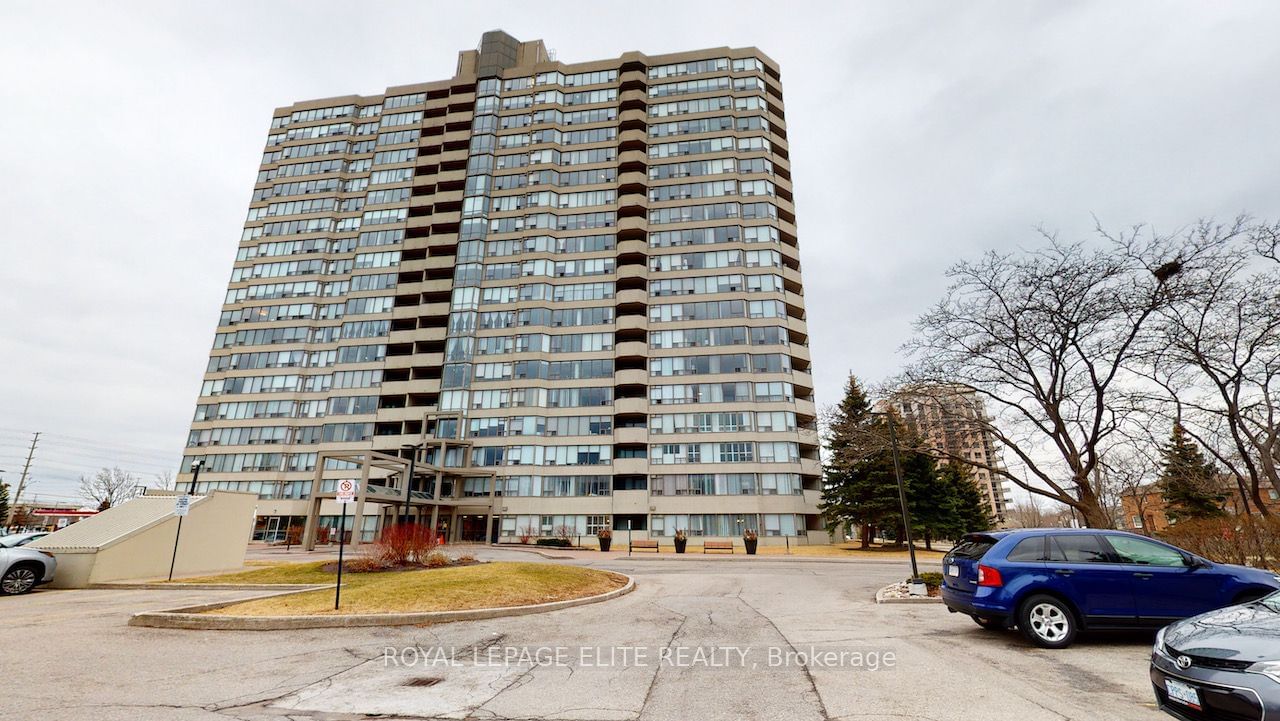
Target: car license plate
point(1183, 693)
point(953, 571)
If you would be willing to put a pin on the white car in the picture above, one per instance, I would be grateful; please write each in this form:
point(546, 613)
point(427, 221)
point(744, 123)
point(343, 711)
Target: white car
point(14, 540)
point(22, 569)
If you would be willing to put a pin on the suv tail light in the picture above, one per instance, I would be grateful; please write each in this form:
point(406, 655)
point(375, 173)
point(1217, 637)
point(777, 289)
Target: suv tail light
point(988, 576)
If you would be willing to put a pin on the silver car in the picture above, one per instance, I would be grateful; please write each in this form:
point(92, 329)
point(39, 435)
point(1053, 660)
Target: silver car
point(22, 569)
point(13, 540)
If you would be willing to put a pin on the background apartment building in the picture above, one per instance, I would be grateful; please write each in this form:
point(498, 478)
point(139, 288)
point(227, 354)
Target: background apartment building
point(577, 282)
point(953, 418)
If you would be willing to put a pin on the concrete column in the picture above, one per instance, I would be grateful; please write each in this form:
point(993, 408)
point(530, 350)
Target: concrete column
point(361, 492)
point(435, 496)
point(488, 517)
point(313, 507)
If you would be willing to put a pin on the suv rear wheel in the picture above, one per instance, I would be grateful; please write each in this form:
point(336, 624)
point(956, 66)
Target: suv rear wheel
point(19, 579)
point(1047, 622)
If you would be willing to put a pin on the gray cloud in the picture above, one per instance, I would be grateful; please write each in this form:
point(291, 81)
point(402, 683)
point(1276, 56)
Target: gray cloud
point(920, 133)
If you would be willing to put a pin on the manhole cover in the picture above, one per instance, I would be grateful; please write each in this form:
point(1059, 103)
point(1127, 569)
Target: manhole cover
point(422, 681)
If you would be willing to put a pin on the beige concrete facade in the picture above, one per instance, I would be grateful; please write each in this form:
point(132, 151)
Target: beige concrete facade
point(952, 419)
point(582, 280)
point(135, 540)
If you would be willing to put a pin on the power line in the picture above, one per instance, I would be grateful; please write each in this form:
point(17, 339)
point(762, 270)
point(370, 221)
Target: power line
point(80, 441)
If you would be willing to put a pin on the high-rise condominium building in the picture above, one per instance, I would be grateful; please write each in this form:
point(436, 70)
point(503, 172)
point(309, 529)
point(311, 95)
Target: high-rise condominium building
point(954, 419)
point(568, 295)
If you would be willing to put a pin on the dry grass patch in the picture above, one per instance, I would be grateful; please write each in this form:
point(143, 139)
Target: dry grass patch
point(277, 572)
point(489, 585)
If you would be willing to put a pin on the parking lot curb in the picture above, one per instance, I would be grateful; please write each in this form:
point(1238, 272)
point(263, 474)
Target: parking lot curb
point(194, 618)
point(882, 598)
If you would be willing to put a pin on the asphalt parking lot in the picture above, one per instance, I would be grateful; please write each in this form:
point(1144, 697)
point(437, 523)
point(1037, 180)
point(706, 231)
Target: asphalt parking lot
point(698, 639)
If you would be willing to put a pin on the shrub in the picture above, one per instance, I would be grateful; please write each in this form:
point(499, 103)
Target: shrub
point(749, 535)
point(1246, 540)
point(557, 542)
point(932, 579)
point(564, 533)
point(680, 536)
point(466, 558)
point(526, 534)
point(364, 564)
point(436, 559)
point(403, 544)
point(604, 533)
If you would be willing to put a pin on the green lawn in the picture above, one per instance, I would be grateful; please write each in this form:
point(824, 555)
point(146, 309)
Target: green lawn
point(487, 585)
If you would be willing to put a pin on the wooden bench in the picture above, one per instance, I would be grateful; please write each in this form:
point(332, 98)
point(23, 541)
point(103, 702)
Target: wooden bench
point(645, 546)
point(717, 546)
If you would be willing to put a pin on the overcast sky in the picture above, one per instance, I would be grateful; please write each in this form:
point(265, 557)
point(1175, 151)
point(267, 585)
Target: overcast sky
point(920, 132)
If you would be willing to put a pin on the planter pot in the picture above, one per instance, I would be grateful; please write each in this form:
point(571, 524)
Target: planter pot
point(605, 544)
point(680, 545)
point(750, 543)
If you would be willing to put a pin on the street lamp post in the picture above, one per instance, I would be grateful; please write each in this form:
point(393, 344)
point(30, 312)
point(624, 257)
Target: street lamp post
point(902, 499)
point(195, 473)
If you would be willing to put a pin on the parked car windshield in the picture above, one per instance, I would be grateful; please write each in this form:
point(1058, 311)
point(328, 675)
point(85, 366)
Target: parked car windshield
point(1144, 552)
point(11, 540)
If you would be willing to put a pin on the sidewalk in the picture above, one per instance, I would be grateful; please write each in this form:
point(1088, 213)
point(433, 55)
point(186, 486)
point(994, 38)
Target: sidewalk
point(739, 555)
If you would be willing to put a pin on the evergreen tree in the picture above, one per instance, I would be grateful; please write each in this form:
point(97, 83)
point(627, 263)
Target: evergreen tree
point(4, 503)
point(1188, 481)
point(929, 497)
point(970, 512)
point(944, 500)
point(860, 485)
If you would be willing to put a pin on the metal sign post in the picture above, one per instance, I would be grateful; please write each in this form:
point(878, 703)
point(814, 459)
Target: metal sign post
point(346, 494)
point(181, 507)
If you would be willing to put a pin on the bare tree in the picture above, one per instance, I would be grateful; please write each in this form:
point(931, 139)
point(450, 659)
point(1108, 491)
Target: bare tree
point(164, 481)
point(1047, 338)
point(1026, 514)
point(1219, 362)
point(109, 487)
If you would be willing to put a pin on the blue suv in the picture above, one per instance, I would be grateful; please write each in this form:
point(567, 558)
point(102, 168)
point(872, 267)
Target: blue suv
point(1053, 582)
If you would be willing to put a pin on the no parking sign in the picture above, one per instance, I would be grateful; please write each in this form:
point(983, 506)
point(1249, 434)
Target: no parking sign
point(346, 490)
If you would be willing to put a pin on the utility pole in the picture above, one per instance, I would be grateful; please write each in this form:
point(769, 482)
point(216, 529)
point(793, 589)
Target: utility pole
point(22, 480)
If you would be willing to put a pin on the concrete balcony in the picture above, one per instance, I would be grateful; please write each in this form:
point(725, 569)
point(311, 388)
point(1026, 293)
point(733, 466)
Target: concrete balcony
point(631, 435)
point(632, 270)
point(631, 348)
point(638, 295)
point(632, 95)
point(631, 377)
point(633, 246)
point(633, 178)
point(633, 156)
point(631, 466)
point(630, 405)
point(632, 322)
point(806, 408)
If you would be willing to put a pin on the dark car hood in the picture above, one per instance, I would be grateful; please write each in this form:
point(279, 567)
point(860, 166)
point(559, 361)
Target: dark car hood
point(1250, 632)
